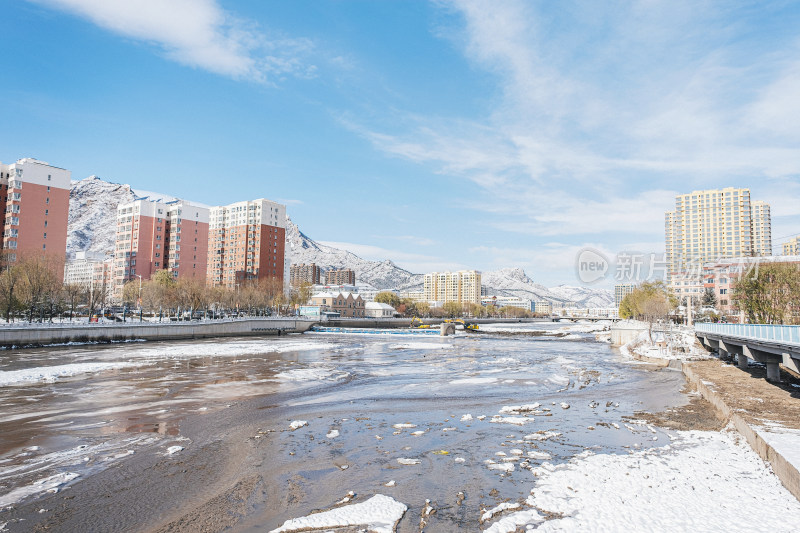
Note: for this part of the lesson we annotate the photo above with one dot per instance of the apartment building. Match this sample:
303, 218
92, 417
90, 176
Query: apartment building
187, 240
762, 229
142, 243
721, 277
246, 242
714, 224
792, 247
34, 197
463, 286
340, 277
507, 301
621, 290
304, 273
90, 269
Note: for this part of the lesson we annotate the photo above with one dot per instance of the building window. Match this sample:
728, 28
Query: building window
48, 177
45, 235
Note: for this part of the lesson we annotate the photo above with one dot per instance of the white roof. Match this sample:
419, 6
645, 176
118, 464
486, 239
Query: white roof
376, 305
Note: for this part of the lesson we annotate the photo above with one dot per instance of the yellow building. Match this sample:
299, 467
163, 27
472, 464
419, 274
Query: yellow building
713, 224
463, 286
792, 247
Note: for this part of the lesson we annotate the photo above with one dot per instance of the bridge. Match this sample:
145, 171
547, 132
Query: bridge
773, 345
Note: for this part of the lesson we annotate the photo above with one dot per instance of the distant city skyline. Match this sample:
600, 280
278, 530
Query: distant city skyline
441, 135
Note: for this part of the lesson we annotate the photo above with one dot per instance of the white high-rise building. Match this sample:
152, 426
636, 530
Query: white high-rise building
463, 286
713, 224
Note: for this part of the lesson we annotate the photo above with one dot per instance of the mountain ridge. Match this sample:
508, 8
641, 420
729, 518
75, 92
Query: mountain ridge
92, 227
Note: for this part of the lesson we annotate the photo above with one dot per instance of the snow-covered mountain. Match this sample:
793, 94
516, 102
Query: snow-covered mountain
514, 282
92, 224
377, 274
93, 214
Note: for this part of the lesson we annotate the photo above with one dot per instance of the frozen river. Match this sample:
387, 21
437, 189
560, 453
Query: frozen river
521, 426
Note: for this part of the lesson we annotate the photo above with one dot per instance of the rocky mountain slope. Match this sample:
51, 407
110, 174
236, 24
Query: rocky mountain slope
377, 274
92, 214
92, 224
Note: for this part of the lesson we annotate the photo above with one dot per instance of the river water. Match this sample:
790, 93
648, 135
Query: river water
409, 416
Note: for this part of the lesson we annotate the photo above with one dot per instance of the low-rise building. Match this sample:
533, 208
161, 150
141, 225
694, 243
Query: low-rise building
507, 301
721, 276
347, 304
543, 307
378, 310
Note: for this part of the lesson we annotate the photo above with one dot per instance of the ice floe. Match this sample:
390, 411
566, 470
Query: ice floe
297, 424
380, 514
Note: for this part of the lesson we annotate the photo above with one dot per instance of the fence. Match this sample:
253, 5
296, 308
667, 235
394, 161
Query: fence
763, 332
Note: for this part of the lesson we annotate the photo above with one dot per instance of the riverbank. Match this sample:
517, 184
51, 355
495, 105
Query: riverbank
36, 335
766, 414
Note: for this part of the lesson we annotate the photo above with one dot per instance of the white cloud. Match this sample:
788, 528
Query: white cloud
197, 33
605, 113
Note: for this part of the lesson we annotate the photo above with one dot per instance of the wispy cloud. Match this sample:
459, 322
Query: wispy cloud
606, 111
290, 201
198, 33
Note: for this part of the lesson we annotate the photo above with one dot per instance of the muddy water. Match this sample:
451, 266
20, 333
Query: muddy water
85, 433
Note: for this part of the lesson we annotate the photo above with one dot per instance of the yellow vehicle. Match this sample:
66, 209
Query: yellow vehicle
417, 323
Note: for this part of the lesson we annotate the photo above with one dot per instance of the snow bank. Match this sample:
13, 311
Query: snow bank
380, 514
701, 480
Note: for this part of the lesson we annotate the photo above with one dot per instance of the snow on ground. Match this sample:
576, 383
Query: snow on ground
677, 344
380, 514
701, 481
297, 424
785, 441
49, 484
499, 509
49, 374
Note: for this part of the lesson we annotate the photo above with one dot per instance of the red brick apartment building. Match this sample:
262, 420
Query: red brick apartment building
153, 235
246, 242
188, 240
34, 197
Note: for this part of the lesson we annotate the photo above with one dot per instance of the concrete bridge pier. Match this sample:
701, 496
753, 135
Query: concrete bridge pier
742, 361
773, 372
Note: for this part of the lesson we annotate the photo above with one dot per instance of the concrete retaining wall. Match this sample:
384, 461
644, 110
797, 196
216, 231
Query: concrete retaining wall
33, 336
624, 332
785, 470
388, 323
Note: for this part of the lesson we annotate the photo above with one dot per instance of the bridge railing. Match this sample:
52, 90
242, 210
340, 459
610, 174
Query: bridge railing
764, 332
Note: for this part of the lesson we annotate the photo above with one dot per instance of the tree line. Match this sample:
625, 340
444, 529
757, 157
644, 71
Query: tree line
411, 308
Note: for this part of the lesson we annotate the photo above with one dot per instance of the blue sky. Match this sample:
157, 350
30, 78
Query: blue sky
441, 135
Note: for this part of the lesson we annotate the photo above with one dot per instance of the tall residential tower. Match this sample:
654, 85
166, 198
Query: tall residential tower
713, 224
35, 198
246, 242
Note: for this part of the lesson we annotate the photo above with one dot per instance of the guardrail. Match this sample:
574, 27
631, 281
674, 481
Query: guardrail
762, 332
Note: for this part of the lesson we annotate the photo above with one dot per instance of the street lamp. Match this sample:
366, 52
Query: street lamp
140, 296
